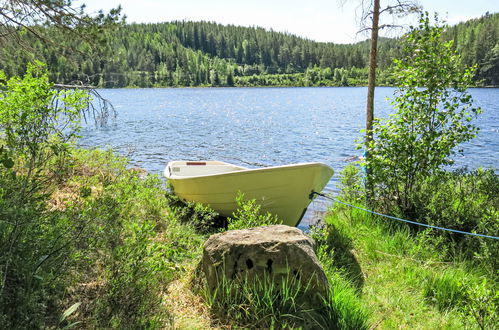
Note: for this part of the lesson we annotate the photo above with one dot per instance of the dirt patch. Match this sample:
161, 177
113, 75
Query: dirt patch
188, 309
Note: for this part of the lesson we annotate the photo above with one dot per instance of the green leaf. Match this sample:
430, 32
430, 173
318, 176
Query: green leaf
8, 162
70, 311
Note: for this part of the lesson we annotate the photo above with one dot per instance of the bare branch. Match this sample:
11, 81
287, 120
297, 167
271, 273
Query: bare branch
391, 26
395, 8
30, 14
101, 112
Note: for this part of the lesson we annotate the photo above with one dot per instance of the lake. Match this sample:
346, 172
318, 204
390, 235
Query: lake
257, 127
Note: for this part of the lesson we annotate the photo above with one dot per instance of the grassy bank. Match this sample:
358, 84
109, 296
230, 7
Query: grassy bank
402, 278
97, 238
116, 250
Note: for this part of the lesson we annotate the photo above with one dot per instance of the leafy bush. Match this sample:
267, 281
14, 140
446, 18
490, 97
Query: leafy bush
137, 264
433, 117
461, 200
36, 134
130, 247
475, 298
248, 215
351, 185
407, 158
37, 122
83, 240
482, 306
467, 201
204, 219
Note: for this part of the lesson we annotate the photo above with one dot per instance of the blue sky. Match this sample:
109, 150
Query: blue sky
320, 20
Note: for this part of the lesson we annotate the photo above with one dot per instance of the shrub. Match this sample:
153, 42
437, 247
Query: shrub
204, 219
467, 201
36, 133
351, 185
132, 247
482, 307
433, 117
474, 297
248, 215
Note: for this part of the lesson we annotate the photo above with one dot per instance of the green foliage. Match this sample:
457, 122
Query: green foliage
262, 303
83, 240
28, 253
476, 41
460, 200
34, 127
27, 17
482, 306
475, 298
466, 201
434, 114
430, 275
137, 264
35, 141
199, 54
248, 215
210, 54
202, 218
351, 186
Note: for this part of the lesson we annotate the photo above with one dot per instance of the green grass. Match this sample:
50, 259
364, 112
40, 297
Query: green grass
262, 303
126, 240
402, 278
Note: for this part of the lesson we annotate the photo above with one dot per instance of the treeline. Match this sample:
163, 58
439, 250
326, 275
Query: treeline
477, 41
197, 54
209, 54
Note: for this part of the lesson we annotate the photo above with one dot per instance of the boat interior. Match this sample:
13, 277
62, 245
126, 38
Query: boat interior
191, 168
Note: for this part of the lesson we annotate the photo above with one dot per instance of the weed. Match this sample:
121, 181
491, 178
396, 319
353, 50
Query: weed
204, 219
445, 289
262, 303
248, 215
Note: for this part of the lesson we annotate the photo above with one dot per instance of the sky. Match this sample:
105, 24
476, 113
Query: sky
320, 20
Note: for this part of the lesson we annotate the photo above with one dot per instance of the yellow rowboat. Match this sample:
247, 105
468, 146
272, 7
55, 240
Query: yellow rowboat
281, 190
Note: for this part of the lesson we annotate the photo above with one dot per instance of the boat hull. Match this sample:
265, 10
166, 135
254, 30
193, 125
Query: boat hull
281, 190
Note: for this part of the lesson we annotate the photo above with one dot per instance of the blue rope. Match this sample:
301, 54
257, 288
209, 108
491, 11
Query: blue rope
404, 220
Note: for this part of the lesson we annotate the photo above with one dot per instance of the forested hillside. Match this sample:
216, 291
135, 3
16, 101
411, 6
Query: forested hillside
477, 40
210, 54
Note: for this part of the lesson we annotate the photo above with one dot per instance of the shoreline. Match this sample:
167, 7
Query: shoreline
284, 86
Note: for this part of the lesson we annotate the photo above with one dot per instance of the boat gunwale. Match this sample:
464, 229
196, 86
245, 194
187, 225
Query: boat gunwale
246, 171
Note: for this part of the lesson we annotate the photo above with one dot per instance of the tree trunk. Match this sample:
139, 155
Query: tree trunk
370, 90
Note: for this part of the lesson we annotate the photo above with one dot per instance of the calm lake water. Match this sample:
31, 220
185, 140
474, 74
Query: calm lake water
257, 127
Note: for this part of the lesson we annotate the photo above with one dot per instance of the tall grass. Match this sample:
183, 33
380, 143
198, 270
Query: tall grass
264, 303
407, 278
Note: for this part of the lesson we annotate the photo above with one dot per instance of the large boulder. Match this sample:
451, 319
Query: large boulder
279, 251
